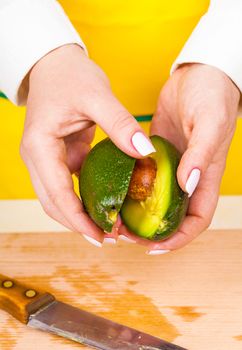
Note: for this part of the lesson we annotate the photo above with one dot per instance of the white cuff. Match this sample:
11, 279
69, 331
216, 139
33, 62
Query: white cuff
217, 40
29, 29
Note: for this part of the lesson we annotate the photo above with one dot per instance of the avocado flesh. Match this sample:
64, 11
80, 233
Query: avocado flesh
104, 182
160, 214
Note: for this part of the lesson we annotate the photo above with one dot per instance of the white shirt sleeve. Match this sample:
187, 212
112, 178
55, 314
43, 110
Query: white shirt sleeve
217, 40
29, 29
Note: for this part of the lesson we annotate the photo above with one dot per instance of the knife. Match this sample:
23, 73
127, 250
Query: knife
42, 311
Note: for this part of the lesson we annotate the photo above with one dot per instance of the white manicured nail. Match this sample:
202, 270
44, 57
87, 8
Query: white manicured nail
142, 144
126, 239
92, 241
158, 251
109, 240
192, 181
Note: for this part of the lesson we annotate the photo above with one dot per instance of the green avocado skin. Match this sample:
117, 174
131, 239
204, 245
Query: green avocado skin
104, 182
179, 199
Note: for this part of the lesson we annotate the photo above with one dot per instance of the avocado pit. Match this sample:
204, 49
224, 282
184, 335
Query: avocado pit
142, 179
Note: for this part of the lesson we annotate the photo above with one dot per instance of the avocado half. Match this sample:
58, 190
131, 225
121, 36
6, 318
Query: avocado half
104, 183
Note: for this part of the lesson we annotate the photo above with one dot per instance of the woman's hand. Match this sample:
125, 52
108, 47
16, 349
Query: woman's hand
68, 95
197, 112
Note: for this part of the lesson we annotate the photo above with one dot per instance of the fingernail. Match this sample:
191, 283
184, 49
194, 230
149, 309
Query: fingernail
192, 181
109, 240
142, 144
157, 251
92, 241
126, 239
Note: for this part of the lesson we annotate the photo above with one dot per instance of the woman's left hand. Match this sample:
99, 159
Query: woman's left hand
196, 111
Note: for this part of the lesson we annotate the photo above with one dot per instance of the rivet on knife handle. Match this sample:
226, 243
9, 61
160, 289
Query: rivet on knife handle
20, 300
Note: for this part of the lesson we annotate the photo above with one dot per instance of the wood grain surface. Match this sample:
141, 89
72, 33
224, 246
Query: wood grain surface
192, 297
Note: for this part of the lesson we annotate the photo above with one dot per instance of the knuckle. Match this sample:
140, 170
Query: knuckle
208, 155
48, 208
223, 122
54, 198
27, 145
121, 121
57, 196
29, 141
207, 222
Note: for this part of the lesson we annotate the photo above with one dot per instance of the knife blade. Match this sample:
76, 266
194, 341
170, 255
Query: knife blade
42, 311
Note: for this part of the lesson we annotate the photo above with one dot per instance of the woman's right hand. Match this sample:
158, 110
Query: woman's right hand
68, 95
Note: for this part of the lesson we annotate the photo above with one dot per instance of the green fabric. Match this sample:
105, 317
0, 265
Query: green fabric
144, 118
2, 95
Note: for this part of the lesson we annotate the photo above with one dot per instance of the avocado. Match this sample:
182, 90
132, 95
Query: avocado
145, 191
160, 214
104, 182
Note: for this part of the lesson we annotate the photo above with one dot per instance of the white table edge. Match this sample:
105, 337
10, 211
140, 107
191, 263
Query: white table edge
28, 216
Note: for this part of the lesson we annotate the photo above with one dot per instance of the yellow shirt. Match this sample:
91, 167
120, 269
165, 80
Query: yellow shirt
135, 42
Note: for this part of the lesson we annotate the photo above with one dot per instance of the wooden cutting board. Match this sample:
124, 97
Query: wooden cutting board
192, 297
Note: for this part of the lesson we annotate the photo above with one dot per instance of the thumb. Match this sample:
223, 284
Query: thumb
202, 147
121, 127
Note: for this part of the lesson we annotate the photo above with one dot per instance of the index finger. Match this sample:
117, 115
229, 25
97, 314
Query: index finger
49, 158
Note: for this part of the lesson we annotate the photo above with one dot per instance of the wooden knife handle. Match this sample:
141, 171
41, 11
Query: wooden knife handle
20, 300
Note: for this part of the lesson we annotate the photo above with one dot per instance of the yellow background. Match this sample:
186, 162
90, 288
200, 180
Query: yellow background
135, 42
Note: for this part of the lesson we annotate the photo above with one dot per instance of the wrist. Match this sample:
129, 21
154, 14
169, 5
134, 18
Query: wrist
59, 54
212, 70
52, 66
